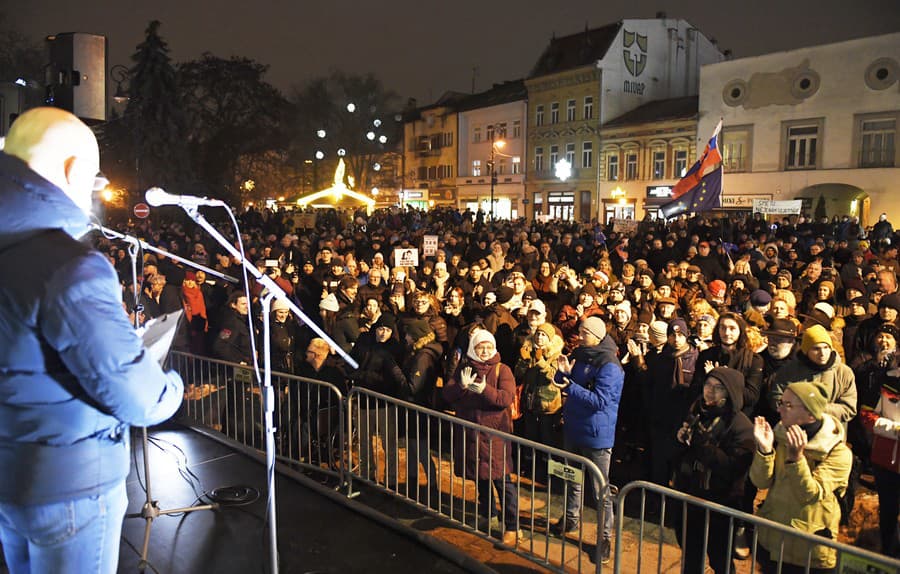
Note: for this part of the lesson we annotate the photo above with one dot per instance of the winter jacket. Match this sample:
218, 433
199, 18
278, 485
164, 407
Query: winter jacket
836, 377
594, 390
73, 373
804, 494
715, 464
482, 455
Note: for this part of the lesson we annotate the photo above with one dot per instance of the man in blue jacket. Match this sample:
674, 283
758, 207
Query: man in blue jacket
73, 373
593, 380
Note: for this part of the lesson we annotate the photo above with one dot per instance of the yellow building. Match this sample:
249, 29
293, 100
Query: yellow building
645, 152
582, 81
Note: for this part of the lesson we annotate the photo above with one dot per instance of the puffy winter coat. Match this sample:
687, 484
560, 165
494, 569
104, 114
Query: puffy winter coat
73, 373
595, 387
804, 494
486, 456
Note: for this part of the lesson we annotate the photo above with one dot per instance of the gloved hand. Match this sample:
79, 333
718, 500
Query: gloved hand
886, 425
467, 377
478, 387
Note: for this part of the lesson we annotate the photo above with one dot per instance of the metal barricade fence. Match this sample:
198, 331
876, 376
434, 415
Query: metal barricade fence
437, 461
309, 415
684, 514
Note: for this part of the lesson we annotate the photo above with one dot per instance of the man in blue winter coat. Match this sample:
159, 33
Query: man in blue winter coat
73, 373
593, 380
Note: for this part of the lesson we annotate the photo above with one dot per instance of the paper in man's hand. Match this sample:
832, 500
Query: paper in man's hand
159, 333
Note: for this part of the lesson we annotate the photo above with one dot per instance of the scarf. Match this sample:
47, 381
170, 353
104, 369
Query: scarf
194, 305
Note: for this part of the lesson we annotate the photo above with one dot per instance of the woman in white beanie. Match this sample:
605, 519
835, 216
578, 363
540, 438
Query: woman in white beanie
481, 391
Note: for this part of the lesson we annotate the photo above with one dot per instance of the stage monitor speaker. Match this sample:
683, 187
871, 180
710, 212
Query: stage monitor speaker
76, 75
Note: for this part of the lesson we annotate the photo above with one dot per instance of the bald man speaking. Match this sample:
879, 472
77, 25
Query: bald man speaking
73, 374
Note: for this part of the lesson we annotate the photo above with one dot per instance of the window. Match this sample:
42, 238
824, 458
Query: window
659, 164
570, 111
801, 146
554, 113
516, 165
612, 167
587, 154
538, 159
476, 137
570, 154
878, 138
554, 156
539, 115
517, 129
588, 107
736, 148
631, 171
476, 167
680, 167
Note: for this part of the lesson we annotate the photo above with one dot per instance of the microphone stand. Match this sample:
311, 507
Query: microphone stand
150, 510
274, 292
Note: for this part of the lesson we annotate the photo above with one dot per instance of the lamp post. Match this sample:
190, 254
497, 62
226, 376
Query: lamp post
494, 145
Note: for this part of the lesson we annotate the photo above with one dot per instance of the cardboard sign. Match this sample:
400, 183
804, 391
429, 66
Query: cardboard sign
429, 245
406, 257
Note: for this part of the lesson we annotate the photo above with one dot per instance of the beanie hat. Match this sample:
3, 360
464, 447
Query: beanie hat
678, 326
280, 305
813, 336
476, 338
548, 329
504, 293
658, 333
625, 306
717, 288
812, 396
417, 328
386, 320
760, 298
595, 326
891, 301
890, 329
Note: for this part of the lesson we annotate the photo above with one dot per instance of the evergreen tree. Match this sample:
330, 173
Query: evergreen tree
153, 117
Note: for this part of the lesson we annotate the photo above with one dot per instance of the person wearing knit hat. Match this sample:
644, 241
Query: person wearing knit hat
805, 453
819, 363
593, 379
481, 390
595, 326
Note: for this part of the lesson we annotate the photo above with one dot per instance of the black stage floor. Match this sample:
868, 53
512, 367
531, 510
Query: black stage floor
316, 533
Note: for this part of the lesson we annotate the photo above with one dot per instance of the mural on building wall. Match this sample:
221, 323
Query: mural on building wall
635, 55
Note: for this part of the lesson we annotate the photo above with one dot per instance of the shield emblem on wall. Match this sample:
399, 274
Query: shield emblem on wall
635, 52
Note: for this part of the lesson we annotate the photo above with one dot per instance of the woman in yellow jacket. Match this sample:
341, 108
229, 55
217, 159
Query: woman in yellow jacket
805, 465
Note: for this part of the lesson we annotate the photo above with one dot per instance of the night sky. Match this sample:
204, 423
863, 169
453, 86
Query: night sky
422, 48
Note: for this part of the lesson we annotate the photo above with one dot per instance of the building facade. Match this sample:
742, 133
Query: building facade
645, 152
583, 80
494, 119
817, 124
430, 154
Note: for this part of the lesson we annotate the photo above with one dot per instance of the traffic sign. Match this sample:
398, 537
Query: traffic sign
141, 210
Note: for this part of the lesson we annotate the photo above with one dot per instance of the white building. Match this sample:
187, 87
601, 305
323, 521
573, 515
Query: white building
817, 122
495, 118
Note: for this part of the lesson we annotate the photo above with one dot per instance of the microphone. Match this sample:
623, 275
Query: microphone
157, 197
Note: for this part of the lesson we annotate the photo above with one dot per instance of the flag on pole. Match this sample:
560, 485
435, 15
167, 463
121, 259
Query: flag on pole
709, 162
705, 196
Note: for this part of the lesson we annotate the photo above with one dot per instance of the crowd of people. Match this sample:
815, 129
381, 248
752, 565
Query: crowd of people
727, 354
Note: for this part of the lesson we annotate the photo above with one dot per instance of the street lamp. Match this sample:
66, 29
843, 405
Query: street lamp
495, 144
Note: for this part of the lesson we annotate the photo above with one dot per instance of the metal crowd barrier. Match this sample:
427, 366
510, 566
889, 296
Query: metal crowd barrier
309, 415
672, 508
424, 459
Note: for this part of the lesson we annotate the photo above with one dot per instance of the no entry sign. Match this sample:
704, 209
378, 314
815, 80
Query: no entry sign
141, 210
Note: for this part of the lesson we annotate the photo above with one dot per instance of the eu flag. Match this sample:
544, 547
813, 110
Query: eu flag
705, 196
